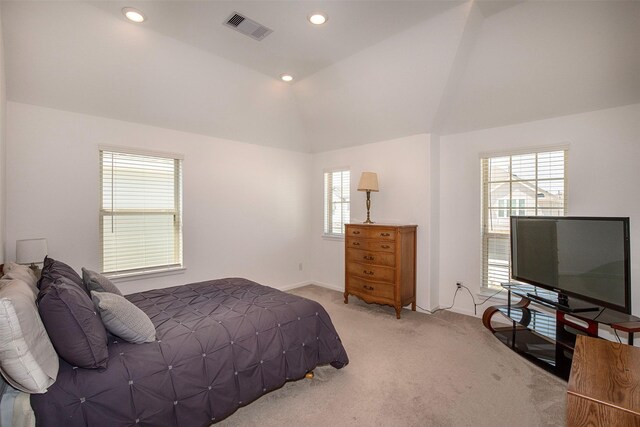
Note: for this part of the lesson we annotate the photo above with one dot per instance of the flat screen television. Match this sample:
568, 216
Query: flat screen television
583, 257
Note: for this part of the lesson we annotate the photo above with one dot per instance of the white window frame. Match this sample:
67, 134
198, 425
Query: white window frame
328, 223
516, 204
170, 268
487, 235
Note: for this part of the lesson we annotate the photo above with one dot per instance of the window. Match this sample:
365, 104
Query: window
337, 202
504, 204
140, 211
523, 184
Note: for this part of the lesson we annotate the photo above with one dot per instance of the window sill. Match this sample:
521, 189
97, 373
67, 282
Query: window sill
124, 277
332, 237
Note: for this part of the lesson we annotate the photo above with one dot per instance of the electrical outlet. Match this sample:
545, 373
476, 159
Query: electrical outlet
458, 285
300, 266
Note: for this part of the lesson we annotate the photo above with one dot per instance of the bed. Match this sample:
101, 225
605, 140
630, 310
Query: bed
219, 345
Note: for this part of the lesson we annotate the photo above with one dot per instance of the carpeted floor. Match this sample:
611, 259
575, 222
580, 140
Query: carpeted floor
422, 370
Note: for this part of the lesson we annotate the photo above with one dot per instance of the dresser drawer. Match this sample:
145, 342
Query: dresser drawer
378, 258
372, 232
373, 289
370, 245
372, 272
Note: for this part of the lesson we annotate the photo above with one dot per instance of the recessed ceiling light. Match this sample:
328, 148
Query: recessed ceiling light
286, 77
317, 18
133, 15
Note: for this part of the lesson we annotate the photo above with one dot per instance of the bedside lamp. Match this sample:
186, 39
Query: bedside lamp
368, 182
31, 251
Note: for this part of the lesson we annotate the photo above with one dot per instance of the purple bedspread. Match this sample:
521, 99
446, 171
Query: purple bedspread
220, 345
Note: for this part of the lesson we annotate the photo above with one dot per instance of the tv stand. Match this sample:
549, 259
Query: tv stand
562, 304
543, 330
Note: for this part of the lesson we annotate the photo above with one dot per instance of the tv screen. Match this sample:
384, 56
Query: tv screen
583, 257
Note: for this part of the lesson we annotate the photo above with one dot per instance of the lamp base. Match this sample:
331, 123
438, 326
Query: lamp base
368, 221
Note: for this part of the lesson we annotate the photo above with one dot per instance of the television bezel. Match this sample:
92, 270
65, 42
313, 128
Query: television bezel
627, 267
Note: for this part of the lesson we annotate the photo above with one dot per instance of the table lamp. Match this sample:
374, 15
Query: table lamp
368, 182
31, 251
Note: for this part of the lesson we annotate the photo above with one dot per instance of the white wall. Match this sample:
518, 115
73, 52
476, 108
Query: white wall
602, 180
433, 232
401, 165
246, 207
3, 106
257, 212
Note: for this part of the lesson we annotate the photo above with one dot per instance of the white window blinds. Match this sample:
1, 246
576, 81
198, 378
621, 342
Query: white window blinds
531, 184
337, 201
140, 212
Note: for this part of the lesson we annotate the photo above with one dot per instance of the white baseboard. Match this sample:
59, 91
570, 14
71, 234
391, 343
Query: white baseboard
328, 286
312, 282
294, 286
341, 289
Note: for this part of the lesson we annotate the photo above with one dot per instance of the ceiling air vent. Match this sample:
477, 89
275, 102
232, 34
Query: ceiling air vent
247, 26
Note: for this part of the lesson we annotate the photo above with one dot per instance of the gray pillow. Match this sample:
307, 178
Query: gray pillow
97, 282
123, 319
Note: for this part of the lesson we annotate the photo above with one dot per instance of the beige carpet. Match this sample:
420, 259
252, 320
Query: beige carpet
422, 370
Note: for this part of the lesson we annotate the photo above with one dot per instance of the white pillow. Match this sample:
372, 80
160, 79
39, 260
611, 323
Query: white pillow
13, 271
28, 360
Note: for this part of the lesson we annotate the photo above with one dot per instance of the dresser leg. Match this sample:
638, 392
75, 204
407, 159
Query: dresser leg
346, 298
413, 306
398, 309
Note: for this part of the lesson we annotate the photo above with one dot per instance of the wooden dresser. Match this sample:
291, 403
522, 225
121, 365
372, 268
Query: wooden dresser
604, 385
380, 264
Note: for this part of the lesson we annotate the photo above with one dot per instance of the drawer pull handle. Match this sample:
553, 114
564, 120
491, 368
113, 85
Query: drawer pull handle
385, 246
367, 257
356, 243
369, 288
356, 232
370, 273
385, 234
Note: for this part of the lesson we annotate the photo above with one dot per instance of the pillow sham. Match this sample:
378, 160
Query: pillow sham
97, 282
28, 360
123, 319
53, 270
74, 327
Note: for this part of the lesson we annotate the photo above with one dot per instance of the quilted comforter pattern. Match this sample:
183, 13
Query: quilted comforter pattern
220, 345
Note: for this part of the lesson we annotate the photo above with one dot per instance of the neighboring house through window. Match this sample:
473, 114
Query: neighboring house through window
531, 184
337, 201
515, 203
140, 211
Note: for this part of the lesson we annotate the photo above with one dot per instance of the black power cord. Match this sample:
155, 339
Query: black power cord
473, 298
441, 308
617, 336
475, 304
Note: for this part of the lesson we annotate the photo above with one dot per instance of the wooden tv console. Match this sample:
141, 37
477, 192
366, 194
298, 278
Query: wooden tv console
546, 334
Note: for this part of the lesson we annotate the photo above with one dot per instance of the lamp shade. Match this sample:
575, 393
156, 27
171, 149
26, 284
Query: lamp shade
368, 182
31, 251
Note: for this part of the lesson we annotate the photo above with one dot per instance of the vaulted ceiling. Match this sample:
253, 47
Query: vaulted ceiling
376, 70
